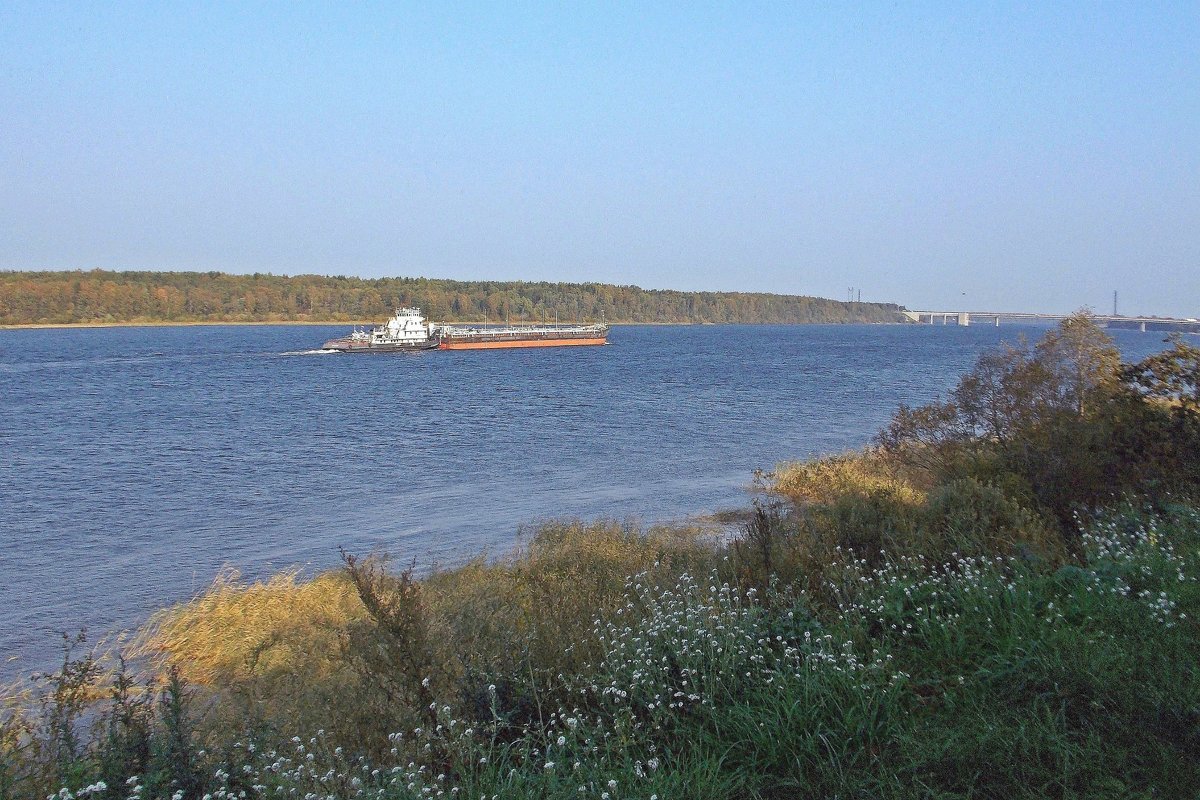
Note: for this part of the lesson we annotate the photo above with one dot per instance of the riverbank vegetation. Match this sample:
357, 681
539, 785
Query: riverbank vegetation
1000, 599
100, 296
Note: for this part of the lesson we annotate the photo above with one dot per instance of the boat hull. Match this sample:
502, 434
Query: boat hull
352, 346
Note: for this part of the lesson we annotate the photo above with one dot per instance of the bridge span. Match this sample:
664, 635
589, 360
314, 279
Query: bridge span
1184, 324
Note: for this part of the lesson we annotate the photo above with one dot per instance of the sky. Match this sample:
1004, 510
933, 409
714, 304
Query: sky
1020, 157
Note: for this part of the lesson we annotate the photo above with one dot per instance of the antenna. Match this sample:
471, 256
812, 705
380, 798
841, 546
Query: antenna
1114, 302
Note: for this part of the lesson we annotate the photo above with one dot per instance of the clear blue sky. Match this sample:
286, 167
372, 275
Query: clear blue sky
1017, 156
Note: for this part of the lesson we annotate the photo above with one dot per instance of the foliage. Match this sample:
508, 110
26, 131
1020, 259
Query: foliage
1060, 426
1172, 376
969, 518
521, 622
867, 506
65, 732
846, 504
287, 652
1013, 392
975, 676
1082, 364
267, 653
41, 730
392, 649
761, 554
104, 296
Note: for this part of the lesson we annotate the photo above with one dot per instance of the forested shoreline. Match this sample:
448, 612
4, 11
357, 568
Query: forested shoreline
103, 296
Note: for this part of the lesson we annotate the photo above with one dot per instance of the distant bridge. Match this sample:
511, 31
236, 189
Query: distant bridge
1185, 324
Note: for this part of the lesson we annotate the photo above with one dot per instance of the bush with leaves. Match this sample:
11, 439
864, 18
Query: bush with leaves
1062, 424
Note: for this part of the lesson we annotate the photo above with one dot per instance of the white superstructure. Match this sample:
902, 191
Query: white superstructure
407, 330
407, 327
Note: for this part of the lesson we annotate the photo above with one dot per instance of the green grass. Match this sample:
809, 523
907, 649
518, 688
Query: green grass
975, 677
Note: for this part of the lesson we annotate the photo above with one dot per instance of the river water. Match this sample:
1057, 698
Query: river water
138, 462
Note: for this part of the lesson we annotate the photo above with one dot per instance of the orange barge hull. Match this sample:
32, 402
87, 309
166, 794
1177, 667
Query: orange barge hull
498, 344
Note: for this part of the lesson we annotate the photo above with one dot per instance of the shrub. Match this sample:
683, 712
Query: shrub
974, 519
866, 524
766, 551
520, 622
44, 742
1062, 425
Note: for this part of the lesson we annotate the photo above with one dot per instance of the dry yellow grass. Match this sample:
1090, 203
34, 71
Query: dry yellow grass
270, 652
292, 650
827, 480
236, 629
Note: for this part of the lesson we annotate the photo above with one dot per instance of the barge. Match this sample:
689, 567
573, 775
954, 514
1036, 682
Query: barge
488, 338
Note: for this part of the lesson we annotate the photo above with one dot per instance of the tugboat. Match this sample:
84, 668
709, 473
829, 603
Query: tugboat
406, 332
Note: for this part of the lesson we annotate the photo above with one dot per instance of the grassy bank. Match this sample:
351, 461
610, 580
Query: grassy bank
1000, 600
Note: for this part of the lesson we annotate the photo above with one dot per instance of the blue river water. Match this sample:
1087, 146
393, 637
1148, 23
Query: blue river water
139, 462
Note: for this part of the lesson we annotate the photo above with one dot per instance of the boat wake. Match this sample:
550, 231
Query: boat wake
308, 352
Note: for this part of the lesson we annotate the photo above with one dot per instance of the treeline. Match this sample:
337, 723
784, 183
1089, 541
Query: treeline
104, 296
